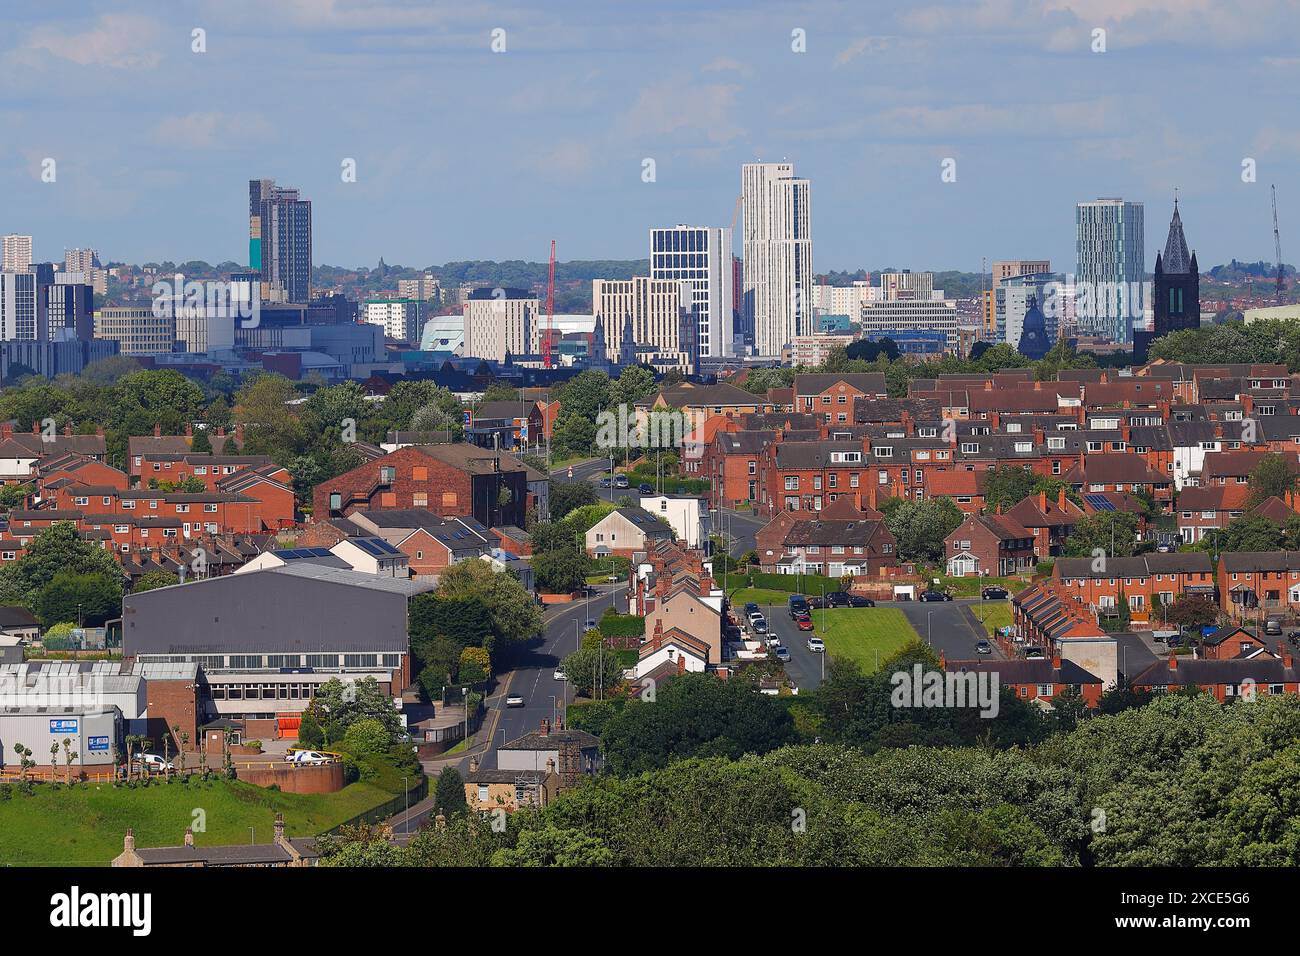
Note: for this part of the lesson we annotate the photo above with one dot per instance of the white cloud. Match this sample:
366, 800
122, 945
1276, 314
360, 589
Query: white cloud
117, 40
860, 46
211, 130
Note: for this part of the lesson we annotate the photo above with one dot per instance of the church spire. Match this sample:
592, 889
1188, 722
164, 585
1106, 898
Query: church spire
1176, 259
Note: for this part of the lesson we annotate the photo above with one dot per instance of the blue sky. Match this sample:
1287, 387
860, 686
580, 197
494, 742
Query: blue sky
463, 153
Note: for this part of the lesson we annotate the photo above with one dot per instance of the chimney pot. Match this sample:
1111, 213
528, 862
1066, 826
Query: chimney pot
157, 430
279, 828
189, 836
128, 841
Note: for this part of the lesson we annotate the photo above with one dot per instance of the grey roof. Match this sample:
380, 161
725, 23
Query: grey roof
1176, 258
552, 740
355, 579
1249, 561
1141, 566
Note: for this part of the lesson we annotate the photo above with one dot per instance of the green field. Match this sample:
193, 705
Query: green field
84, 825
760, 596
867, 635
994, 614
970, 586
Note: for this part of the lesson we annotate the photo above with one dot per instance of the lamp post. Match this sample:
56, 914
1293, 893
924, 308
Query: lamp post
464, 693
928, 622
406, 792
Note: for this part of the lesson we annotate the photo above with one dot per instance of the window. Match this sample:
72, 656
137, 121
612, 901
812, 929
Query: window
970, 448
884, 451
791, 482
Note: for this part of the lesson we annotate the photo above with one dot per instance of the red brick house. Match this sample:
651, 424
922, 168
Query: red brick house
1050, 522
1038, 679
1147, 582
1225, 679
449, 480
839, 540
992, 545
1202, 509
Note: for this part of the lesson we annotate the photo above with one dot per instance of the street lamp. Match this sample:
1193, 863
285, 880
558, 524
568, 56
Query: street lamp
928, 616
464, 693
406, 792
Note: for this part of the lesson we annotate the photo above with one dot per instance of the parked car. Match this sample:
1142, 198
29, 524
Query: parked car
311, 758
816, 603
1273, 627
605, 482
983, 647
857, 601
152, 763
804, 623
935, 596
798, 605
560, 675
622, 482
751, 609
773, 641
816, 644
781, 653
514, 700
994, 593
758, 624
837, 599
646, 488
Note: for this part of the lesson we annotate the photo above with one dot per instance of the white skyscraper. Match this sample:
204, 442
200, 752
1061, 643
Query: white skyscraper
701, 256
778, 255
17, 254
1111, 277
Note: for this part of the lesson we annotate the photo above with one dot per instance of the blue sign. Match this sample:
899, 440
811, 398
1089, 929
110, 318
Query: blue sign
97, 743
63, 726
523, 431
468, 418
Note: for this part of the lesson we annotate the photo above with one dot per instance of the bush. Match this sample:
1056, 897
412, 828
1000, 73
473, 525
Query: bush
808, 584
367, 737
254, 745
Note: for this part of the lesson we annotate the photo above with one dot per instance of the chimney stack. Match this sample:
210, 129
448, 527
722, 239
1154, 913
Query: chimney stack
128, 841
473, 764
1056, 660
545, 728
157, 430
239, 433
1060, 498
279, 828
1173, 661
189, 836
67, 428
189, 430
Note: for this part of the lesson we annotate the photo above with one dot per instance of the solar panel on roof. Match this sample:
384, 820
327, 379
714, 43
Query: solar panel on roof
1099, 502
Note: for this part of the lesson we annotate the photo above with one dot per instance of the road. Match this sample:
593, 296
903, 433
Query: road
534, 677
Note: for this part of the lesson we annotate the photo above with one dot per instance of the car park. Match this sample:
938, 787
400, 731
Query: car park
514, 700
994, 593
983, 647
935, 596
816, 645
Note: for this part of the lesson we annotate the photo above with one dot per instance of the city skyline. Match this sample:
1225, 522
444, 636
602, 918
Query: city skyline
867, 114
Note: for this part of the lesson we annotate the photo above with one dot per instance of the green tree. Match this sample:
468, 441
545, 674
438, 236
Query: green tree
552, 846
1273, 476
367, 736
921, 527
201, 443
90, 598
1113, 533
449, 794
566, 496
336, 706
475, 666
593, 671
152, 580
561, 571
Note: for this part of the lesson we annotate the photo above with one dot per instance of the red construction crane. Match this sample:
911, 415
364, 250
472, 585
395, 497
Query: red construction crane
548, 337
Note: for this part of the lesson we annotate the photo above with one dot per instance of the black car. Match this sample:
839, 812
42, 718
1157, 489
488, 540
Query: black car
856, 601
645, 489
935, 596
818, 602
837, 599
994, 593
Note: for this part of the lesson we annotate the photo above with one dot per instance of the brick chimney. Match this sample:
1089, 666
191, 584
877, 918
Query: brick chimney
6, 431
1173, 661
1287, 661
157, 430
473, 764
67, 428
943, 661
128, 841
189, 430
550, 765
189, 836
1056, 660
1042, 502
1060, 498
278, 829
239, 433
545, 729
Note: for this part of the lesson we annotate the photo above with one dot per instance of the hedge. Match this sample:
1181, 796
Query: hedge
613, 624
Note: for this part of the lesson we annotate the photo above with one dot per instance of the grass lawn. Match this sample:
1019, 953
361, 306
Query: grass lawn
760, 596
84, 825
867, 635
970, 587
994, 614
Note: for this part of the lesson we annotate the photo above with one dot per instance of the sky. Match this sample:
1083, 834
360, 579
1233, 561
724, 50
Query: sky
462, 152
